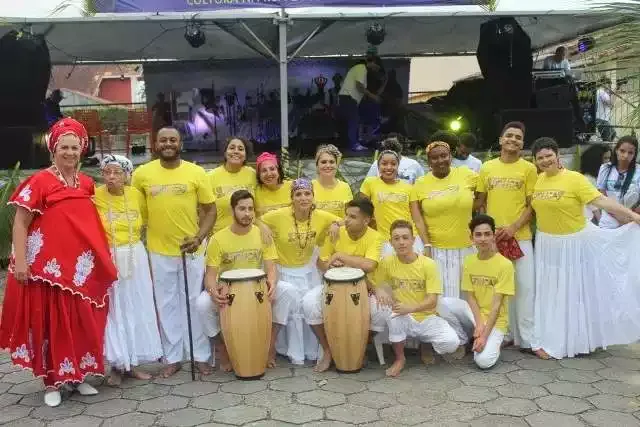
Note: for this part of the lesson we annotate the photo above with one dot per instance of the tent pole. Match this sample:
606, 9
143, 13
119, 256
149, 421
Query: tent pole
284, 91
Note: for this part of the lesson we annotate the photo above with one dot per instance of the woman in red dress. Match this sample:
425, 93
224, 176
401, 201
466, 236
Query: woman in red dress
55, 305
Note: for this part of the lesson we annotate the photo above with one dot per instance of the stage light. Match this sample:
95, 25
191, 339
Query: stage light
455, 125
375, 34
194, 34
585, 44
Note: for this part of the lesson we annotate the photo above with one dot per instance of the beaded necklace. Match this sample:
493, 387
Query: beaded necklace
301, 245
56, 172
112, 229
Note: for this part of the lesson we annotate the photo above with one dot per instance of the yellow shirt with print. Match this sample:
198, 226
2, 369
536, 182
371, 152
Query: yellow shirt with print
172, 197
117, 220
224, 184
559, 202
268, 200
295, 244
390, 201
230, 251
507, 186
334, 199
486, 278
368, 246
447, 206
411, 283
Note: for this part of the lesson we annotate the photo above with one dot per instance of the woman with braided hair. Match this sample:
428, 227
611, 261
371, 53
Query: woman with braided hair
132, 336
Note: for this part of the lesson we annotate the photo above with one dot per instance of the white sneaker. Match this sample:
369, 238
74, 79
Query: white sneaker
86, 390
52, 398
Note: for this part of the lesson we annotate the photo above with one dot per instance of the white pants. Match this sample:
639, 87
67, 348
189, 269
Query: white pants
521, 311
168, 279
312, 309
208, 314
458, 314
450, 266
418, 247
433, 329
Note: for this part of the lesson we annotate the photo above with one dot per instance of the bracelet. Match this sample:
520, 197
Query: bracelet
428, 245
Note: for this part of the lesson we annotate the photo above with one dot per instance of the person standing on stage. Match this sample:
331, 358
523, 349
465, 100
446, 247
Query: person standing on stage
230, 177
354, 88
297, 230
175, 190
273, 190
330, 193
358, 246
441, 207
241, 246
505, 186
55, 304
390, 197
586, 292
410, 284
409, 170
132, 336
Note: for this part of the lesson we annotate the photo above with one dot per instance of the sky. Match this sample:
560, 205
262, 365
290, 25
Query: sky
43, 8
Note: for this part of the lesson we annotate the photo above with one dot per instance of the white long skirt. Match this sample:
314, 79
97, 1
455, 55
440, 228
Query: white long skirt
587, 290
132, 336
450, 266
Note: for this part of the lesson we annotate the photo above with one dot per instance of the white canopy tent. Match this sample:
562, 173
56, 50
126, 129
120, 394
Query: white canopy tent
269, 33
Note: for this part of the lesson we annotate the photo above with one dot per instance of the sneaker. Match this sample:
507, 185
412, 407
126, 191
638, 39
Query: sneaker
52, 398
86, 390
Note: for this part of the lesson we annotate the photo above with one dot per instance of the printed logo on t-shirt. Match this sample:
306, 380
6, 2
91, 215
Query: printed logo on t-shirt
172, 189
243, 256
116, 216
227, 190
505, 183
436, 194
331, 205
408, 284
302, 236
389, 197
480, 280
548, 195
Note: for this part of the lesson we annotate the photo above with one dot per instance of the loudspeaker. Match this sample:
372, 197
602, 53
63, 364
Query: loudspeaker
556, 123
559, 96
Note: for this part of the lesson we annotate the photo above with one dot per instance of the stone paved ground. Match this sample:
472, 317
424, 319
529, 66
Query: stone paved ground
600, 390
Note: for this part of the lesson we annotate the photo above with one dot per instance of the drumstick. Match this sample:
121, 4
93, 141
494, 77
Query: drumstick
186, 292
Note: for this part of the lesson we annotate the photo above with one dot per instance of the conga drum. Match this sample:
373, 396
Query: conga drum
346, 317
246, 321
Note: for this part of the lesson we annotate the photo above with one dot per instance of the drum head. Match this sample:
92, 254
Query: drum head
343, 274
242, 274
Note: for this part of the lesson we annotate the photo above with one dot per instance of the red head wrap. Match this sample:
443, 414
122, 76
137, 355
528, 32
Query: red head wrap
265, 157
67, 126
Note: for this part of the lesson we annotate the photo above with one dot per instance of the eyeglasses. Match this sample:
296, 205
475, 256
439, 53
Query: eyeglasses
619, 181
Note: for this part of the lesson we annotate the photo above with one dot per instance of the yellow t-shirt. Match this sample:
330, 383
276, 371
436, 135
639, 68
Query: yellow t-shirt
447, 206
390, 201
411, 283
484, 279
332, 200
224, 184
559, 202
268, 200
114, 216
368, 246
295, 248
507, 186
230, 251
172, 197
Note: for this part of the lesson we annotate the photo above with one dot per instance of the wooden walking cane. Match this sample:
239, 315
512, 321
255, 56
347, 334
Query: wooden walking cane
186, 292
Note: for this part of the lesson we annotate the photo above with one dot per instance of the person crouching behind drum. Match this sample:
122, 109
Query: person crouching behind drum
241, 246
410, 284
358, 246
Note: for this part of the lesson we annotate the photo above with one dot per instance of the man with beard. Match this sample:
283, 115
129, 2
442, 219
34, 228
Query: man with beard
504, 190
358, 246
175, 190
241, 246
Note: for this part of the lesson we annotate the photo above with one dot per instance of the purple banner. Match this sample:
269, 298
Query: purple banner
123, 6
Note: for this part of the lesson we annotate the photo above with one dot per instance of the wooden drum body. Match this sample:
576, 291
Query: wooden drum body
246, 321
346, 317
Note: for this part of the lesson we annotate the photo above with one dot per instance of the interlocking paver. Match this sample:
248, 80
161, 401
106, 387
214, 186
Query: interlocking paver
539, 365
185, 417
293, 384
78, 421
583, 364
511, 355
67, 409
163, 404
105, 393
523, 391
181, 377
349, 413
631, 351
112, 408
472, 394
484, 379
600, 418
436, 383
239, 415
133, 419
622, 363
195, 389
406, 414
25, 422
344, 385
373, 400
622, 375
577, 376
269, 399
146, 392
275, 373
455, 411
325, 424
29, 387
498, 421
423, 398
564, 404
612, 402
9, 399
18, 377
529, 377
546, 419
297, 413
565, 388
14, 412
504, 368
216, 401
511, 406
321, 398
390, 386
616, 387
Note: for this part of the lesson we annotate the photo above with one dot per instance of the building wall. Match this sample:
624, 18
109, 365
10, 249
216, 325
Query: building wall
116, 90
437, 74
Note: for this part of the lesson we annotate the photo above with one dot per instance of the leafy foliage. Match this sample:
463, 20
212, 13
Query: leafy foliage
9, 182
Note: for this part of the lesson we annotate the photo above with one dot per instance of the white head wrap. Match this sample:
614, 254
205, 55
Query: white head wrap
115, 159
